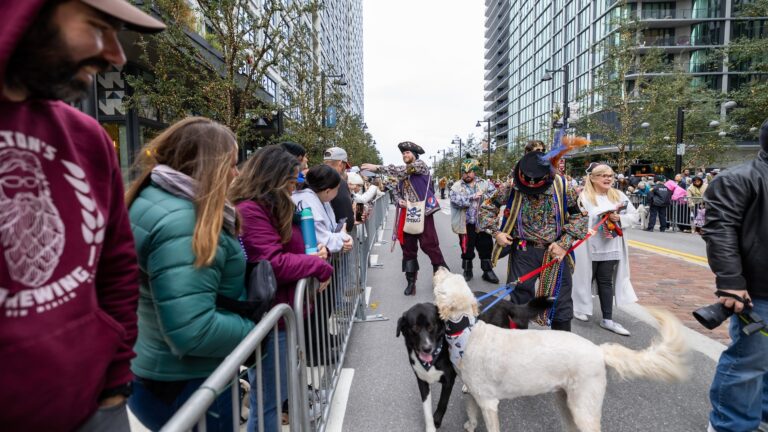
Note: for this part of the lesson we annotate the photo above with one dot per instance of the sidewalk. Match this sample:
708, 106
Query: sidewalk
677, 285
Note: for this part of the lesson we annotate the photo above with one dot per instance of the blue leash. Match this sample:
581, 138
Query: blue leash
507, 290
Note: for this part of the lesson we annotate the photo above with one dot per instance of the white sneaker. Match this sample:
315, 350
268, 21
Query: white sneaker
581, 316
614, 327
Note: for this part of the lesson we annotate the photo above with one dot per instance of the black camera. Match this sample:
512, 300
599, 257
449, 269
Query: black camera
713, 315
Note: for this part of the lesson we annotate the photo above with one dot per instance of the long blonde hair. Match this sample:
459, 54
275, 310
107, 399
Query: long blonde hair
590, 193
202, 149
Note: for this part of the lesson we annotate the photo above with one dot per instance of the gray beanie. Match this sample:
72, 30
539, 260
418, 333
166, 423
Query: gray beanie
764, 136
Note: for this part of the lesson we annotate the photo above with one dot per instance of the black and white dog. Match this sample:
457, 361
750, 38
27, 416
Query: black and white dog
424, 334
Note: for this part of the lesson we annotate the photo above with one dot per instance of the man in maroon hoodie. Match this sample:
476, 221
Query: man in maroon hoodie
68, 274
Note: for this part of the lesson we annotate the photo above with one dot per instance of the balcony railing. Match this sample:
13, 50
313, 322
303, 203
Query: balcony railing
682, 67
671, 41
661, 14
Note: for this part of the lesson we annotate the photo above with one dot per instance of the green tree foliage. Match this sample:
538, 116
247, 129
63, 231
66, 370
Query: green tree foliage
701, 105
219, 74
637, 86
617, 94
307, 94
749, 53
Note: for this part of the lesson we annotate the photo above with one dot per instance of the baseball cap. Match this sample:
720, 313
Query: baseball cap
134, 18
338, 154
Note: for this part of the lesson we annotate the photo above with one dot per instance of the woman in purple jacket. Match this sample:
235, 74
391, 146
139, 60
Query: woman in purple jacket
262, 194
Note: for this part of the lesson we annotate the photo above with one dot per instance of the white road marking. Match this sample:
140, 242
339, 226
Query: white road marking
339, 403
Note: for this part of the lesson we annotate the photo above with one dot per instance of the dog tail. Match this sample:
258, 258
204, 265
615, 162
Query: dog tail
664, 360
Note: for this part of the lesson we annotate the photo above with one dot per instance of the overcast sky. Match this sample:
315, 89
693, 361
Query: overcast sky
423, 72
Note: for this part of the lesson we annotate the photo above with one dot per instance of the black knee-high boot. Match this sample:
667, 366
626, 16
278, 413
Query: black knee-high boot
411, 269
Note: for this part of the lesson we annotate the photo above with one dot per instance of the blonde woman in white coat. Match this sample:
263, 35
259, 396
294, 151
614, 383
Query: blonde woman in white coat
603, 260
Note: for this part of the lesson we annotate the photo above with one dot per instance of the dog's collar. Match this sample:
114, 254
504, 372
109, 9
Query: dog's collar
455, 328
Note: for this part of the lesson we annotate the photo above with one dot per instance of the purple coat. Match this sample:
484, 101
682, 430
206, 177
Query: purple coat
261, 240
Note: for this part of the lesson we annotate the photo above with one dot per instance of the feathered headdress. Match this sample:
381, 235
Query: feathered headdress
563, 145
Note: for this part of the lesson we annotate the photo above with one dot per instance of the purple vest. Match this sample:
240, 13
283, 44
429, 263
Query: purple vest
419, 183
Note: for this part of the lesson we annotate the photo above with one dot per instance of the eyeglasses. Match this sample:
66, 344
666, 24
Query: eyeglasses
605, 176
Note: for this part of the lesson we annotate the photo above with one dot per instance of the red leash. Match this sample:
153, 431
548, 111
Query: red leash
529, 275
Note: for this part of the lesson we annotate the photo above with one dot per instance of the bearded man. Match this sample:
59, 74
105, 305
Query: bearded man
68, 272
466, 197
541, 221
414, 184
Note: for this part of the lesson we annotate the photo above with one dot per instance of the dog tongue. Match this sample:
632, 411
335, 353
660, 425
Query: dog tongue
426, 358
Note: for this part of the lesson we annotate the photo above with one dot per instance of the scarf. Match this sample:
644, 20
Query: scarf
183, 186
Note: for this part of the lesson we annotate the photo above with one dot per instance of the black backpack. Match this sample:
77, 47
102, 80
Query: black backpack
260, 288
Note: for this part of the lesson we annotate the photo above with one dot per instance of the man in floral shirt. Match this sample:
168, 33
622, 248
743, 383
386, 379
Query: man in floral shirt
541, 220
466, 197
414, 184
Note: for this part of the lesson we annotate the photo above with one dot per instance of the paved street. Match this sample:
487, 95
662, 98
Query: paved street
383, 395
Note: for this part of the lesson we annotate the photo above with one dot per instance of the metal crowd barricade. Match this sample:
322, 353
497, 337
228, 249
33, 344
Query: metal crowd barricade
227, 376
637, 200
682, 214
324, 321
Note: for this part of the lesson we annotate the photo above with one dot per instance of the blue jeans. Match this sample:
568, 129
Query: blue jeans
739, 392
153, 413
272, 410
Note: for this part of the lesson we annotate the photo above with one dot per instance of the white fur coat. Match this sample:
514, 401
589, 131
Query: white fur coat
582, 276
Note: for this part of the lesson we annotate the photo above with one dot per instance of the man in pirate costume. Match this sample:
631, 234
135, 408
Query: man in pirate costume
414, 184
540, 223
466, 197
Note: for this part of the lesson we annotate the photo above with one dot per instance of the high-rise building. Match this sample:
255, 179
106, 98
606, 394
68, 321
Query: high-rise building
339, 28
524, 38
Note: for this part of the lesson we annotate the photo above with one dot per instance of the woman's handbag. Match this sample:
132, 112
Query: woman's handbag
414, 213
260, 287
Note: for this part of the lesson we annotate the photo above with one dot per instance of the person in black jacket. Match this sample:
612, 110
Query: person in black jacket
736, 232
659, 199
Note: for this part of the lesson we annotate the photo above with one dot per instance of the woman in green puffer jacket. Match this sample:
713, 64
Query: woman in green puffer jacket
188, 253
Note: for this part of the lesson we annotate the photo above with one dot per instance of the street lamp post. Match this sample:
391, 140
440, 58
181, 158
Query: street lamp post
489, 142
680, 150
548, 77
457, 140
338, 80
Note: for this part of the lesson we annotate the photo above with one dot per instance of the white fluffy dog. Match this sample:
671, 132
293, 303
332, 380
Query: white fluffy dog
503, 364
642, 212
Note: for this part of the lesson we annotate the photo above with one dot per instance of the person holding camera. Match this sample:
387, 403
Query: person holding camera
736, 233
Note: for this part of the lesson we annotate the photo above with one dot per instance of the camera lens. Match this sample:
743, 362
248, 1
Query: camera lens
713, 315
